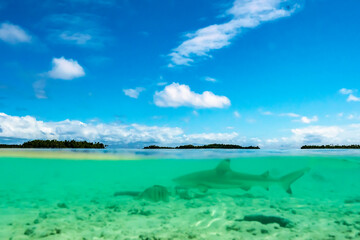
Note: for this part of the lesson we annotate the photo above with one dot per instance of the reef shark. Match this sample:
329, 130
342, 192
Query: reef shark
223, 177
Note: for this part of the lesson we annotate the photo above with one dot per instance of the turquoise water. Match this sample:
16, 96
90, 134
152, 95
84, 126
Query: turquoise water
47, 197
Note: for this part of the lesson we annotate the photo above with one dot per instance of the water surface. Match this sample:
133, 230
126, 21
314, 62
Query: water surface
70, 195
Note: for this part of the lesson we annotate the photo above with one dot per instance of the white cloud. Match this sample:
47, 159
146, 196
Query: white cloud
39, 88
210, 137
77, 38
353, 98
272, 140
345, 91
318, 135
210, 79
309, 120
237, 114
266, 112
133, 93
244, 14
176, 95
13, 34
353, 117
65, 69
323, 131
298, 117
161, 83
289, 114
28, 127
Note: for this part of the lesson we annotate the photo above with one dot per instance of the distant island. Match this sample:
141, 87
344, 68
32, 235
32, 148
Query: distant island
209, 146
330, 147
55, 144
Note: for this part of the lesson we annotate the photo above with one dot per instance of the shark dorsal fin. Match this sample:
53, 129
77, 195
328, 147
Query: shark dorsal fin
223, 167
265, 174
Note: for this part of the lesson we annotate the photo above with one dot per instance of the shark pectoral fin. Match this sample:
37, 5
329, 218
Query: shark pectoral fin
290, 178
265, 174
223, 167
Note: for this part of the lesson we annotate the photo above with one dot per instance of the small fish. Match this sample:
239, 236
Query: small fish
155, 193
223, 177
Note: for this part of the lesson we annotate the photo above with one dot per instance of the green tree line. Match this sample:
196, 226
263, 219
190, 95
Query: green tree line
55, 144
209, 146
330, 147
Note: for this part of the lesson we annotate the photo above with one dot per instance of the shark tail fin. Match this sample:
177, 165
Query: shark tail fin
288, 179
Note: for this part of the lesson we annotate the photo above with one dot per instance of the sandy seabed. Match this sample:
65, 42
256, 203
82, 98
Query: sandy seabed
215, 216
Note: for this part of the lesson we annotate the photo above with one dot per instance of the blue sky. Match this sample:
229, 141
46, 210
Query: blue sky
273, 73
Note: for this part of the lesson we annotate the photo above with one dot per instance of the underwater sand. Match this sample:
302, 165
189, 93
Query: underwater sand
52, 195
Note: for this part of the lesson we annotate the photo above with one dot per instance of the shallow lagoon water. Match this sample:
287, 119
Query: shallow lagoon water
46, 194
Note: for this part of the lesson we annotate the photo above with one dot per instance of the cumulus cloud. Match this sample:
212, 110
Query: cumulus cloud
211, 137
22, 128
330, 132
309, 120
320, 135
352, 98
77, 38
133, 93
289, 115
65, 69
298, 117
39, 88
28, 127
210, 79
243, 14
161, 83
345, 91
13, 34
237, 114
317, 135
266, 112
176, 95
